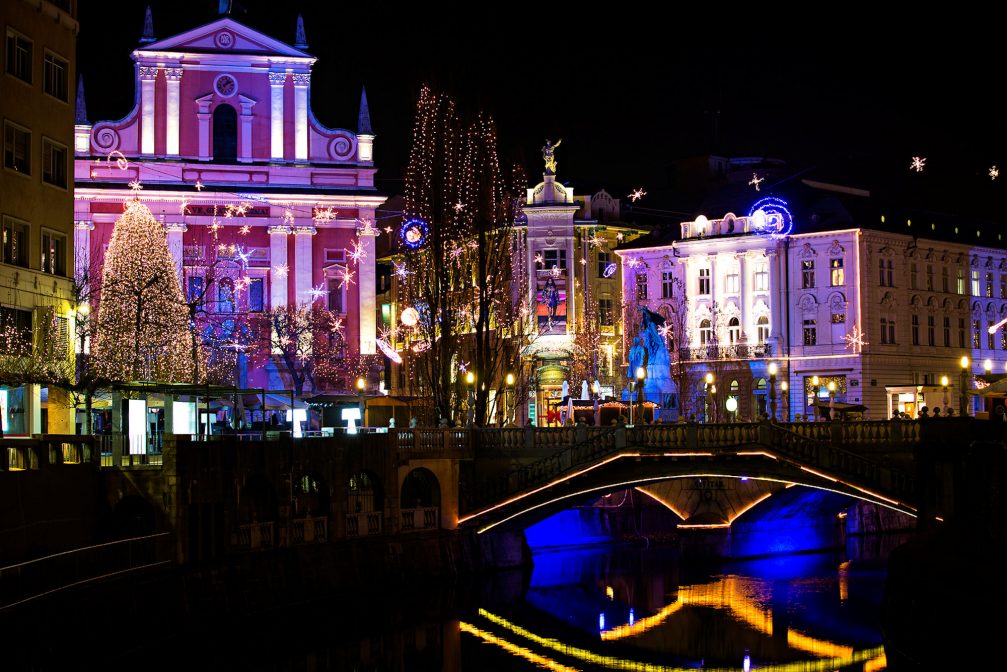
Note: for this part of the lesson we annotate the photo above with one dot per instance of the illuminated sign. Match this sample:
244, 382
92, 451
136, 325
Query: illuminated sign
771, 216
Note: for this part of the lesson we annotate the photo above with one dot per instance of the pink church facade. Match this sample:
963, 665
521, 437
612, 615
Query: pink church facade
227, 153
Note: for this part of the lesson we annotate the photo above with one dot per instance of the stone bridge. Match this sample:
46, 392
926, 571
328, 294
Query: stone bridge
873, 461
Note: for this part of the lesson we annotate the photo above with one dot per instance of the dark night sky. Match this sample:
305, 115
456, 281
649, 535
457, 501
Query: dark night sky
629, 93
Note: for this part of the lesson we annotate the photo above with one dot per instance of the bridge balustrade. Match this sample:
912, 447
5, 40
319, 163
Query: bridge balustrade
424, 518
310, 530
363, 524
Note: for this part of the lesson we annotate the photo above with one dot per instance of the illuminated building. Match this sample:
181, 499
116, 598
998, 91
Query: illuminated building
36, 192
225, 147
883, 315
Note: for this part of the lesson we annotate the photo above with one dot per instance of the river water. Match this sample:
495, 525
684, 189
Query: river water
607, 608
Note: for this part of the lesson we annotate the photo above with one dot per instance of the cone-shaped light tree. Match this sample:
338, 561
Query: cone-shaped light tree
142, 330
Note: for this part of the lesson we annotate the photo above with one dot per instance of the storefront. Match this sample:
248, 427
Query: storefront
909, 399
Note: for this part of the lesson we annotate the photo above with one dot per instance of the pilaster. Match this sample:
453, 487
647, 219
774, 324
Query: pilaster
148, 74
301, 82
276, 82
278, 274
173, 79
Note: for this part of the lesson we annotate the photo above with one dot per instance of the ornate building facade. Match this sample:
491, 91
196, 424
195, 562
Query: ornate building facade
881, 316
263, 206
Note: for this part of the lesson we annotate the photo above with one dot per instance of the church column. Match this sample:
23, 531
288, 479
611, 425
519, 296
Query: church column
778, 299
147, 76
245, 150
276, 80
746, 298
301, 82
302, 263
203, 116
366, 287
279, 268
173, 79
173, 231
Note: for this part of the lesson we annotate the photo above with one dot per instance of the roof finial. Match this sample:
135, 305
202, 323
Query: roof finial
80, 116
148, 28
300, 39
364, 118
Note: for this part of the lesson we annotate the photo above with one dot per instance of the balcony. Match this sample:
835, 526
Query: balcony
736, 351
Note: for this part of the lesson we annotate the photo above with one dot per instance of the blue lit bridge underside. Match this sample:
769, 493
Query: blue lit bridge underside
646, 466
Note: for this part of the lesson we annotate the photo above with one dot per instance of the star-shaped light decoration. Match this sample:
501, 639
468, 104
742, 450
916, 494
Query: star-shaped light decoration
583, 261
358, 253
336, 325
388, 229
555, 271
458, 207
420, 346
994, 172
135, 186
664, 330
245, 230
596, 241
367, 227
632, 262
243, 255
317, 292
281, 270
456, 252
215, 227
539, 259
619, 236
918, 163
855, 339
288, 217
199, 185
463, 367
401, 271
323, 215
756, 181
637, 194
346, 279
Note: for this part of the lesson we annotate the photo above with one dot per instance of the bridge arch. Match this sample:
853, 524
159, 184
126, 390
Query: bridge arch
420, 489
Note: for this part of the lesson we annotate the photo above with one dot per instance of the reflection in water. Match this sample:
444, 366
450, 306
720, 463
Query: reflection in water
638, 609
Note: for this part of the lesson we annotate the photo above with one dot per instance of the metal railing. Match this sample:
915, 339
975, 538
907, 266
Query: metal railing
33, 579
424, 518
255, 536
737, 351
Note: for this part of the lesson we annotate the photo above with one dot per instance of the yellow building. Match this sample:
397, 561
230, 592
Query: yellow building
37, 109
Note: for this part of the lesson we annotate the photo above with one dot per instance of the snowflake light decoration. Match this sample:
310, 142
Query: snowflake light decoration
183, 206
918, 163
316, 292
994, 173
637, 194
632, 262
619, 236
420, 346
596, 241
855, 339
367, 227
539, 259
135, 186
358, 253
288, 217
756, 181
323, 215
245, 230
401, 271
664, 330
583, 261
346, 279
555, 271
458, 207
463, 367
281, 270
199, 185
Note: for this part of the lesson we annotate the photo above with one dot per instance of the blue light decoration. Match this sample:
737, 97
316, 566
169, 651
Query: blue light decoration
771, 216
414, 233
609, 270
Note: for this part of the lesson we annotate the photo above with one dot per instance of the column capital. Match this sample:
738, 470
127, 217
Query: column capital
302, 78
148, 72
277, 78
173, 74
279, 230
83, 225
305, 230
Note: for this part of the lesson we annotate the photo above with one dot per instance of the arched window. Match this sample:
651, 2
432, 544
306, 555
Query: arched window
734, 330
364, 494
225, 133
705, 332
762, 328
225, 296
759, 397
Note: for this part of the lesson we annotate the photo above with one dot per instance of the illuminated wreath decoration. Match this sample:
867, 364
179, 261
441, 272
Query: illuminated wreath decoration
414, 233
771, 216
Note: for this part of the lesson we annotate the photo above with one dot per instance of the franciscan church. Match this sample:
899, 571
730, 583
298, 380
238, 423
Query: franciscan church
223, 146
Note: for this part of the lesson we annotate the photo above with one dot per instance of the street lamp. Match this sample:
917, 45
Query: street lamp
944, 384
361, 384
772, 390
641, 375
510, 398
713, 401
964, 385
832, 399
813, 397
988, 366
706, 408
470, 380
784, 387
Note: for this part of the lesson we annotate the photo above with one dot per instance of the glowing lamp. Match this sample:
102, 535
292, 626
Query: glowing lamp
772, 368
965, 362
83, 309
510, 380
596, 388
709, 379
702, 224
361, 384
832, 386
410, 316
731, 404
944, 381
815, 381
641, 373
470, 378
784, 386
988, 365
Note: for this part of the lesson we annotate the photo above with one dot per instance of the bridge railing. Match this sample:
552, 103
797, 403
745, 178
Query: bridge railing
43, 450
27, 581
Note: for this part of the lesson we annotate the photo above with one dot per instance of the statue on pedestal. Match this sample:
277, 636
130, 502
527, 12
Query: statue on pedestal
548, 153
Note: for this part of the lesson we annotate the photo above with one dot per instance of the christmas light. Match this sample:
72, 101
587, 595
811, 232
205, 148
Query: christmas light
368, 227
281, 270
619, 236
317, 292
346, 279
358, 253
135, 186
994, 173
401, 271
410, 316
596, 241
771, 215
756, 181
288, 217
539, 259
918, 163
855, 339
324, 215
245, 230
458, 207
388, 350
414, 233
610, 269
199, 185
637, 194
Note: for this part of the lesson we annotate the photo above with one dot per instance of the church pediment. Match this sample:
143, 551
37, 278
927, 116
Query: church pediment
225, 36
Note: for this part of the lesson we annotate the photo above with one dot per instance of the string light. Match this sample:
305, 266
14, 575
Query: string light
637, 194
994, 172
918, 163
756, 181
281, 270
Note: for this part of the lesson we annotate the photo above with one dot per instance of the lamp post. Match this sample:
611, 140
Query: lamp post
784, 387
638, 378
964, 385
596, 390
470, 380
361, 385
509, 411
813, 398
713, 402
706, 408
944, 384
772, 391
832, 400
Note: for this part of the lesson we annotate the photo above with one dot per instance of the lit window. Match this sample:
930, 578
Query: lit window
734, 330
837, 275
641, 286
838, 318
762, 329
810, 332
15, 242
977, 333
667, 284
53, 252
705, 332
704, 281
975, 283
808, 274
